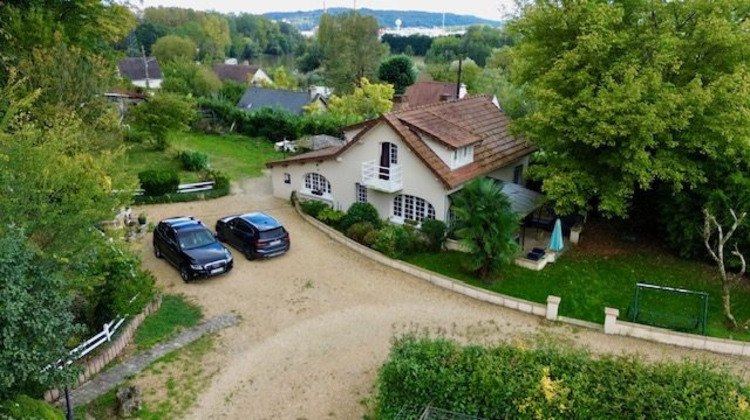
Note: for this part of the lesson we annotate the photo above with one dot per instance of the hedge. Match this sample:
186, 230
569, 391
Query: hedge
157, 182
219, 191
25, 407
548, 381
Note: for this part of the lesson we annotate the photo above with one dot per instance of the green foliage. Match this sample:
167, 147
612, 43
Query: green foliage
371, 237
232, 91
330, 216
313, 207
629, 95
435, 230
282, 80
370, 100
208, 30
172, 48
359, 231
416, 44
35, 317
449, 73
393, 241
486, 225
190, 79
479, 41
551, 381
159, 181
351, 49
175, 314
23, 407
193, 160
399, 71
136, 136
361, 212
183, 197
444, 49
253, 35
163, 113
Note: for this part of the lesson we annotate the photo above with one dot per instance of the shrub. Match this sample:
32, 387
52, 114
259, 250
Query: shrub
359, 231
313, 207
330, 216
371, 237
159, 181
221, 188
361, 212
25, 407
393, 241
435, 230
221, 181
551, 381
418, 241
137, 136
193, 160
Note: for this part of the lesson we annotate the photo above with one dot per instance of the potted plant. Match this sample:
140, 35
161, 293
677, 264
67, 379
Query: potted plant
142, 219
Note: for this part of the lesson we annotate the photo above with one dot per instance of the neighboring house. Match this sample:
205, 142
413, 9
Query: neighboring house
142, 72
425, 93
241, 73
409, 163
124, 99
257, 97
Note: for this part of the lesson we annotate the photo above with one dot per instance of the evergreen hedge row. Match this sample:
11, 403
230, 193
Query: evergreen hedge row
548, 382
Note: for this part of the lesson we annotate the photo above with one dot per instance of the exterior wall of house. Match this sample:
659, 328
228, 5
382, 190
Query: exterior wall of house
506, 173
444, 152
346, 171
350, 134
152, 83
259, 77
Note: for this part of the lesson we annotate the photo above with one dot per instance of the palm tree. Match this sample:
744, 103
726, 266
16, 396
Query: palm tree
486, 225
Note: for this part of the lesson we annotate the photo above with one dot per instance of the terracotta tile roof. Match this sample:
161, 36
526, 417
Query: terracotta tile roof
241, 73
483, 123
424, 93
321, 154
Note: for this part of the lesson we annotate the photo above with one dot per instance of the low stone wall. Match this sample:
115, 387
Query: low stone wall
612, 326
91, 365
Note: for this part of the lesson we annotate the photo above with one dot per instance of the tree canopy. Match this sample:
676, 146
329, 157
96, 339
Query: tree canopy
174, 48
629, 94
399, 71
366, 102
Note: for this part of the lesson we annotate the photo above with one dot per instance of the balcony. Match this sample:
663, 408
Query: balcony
385, 179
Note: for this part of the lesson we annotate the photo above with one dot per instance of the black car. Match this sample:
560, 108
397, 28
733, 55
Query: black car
257, 235
191, 247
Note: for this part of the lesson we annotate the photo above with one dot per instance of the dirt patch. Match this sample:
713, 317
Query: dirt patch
602, 237
318, 321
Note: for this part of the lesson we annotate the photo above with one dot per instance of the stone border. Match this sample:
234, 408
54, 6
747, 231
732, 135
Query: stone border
611, 325
93, 365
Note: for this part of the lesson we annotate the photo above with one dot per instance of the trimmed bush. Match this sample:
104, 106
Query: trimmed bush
393, 241
551, 381
359, 231
193, 160
159, 181
371, 237
435, 230
361, 212
313, 207
330, 216
25, 407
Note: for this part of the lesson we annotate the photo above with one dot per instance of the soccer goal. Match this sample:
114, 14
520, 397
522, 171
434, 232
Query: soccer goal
669, 307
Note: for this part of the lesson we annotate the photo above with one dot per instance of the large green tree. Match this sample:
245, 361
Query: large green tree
629, 94
163, 113
366, 102
174, 48
486, 225
351, 49
399, 71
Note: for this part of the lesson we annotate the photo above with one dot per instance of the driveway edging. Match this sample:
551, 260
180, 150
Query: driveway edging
612, 325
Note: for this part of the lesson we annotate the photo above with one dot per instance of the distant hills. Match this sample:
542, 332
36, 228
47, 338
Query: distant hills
307, 20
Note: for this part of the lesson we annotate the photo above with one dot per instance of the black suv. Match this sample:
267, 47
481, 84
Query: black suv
191, 247
257, 235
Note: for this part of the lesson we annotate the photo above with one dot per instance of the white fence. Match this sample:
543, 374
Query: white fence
108, 330
188, 188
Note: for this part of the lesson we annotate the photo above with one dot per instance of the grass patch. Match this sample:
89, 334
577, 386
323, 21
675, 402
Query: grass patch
175, 314
588, 283
234, 155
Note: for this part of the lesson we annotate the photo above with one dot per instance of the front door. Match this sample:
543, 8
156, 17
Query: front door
387, 154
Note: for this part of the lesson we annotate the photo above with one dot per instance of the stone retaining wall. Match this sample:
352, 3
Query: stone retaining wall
91, 365
611, 325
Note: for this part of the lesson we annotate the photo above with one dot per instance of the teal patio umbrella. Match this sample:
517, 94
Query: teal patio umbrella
556, 240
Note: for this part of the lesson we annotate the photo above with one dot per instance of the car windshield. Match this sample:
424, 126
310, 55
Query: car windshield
195, 238
272, 233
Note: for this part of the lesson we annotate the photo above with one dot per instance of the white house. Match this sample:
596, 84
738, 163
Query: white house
408, 163
241, 73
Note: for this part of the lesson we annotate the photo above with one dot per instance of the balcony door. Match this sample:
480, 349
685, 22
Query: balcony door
388, 157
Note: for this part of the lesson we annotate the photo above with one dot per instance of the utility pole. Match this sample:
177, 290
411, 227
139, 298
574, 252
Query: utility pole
145, 64
458, 84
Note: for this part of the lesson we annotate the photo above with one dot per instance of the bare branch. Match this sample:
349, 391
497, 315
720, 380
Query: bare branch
735, 225
707, 233
743, 267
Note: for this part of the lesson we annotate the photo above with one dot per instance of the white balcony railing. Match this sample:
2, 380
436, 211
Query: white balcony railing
387, 179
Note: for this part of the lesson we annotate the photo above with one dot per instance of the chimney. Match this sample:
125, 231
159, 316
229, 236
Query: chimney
400, 102
444, 97
462, 91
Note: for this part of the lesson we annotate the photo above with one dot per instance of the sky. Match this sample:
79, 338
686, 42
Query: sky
487, 9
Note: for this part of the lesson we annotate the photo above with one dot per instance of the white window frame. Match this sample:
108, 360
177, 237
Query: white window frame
409, 207
360, 193
287, 178
462, 157
313, 181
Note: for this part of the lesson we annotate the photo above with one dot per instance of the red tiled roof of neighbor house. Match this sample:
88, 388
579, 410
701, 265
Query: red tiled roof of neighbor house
474, 120
241, 73
425, 93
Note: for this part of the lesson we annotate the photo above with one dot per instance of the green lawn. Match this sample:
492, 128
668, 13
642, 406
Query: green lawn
588, 283
235, 155
175, 314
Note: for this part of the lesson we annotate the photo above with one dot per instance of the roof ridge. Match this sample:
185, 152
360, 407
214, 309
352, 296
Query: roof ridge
441, 103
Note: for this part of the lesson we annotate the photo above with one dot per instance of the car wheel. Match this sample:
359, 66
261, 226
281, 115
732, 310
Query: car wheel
249, 254
157, 252
185, 274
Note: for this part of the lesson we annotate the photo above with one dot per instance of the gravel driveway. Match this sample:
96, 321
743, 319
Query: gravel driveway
317, 322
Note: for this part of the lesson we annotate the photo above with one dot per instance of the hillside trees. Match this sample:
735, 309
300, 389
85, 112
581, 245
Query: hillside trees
629, 95
174, 48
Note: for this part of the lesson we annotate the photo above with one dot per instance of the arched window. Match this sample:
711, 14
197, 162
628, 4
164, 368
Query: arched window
409, 207
317, 184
